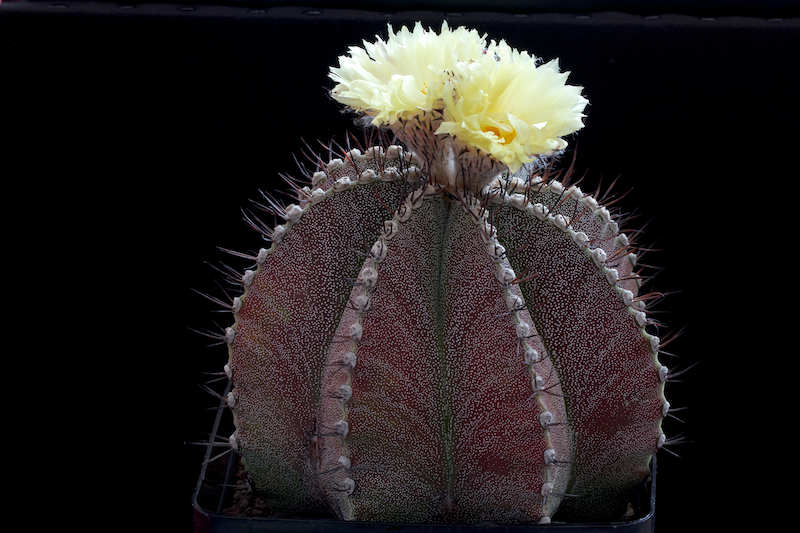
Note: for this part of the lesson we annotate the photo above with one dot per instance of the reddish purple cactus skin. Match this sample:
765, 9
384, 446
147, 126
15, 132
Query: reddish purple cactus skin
410, 352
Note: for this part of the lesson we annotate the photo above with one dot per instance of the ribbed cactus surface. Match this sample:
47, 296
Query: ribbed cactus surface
415, 352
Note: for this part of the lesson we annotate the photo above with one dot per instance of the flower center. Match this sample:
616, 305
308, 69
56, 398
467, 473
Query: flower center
504, 136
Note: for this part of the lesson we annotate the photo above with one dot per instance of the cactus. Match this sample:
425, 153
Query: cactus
441, 331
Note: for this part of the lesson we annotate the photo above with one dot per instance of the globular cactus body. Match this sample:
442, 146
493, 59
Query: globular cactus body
441, 331
405, 352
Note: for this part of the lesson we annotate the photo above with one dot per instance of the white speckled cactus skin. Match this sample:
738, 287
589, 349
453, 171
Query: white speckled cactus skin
411, 352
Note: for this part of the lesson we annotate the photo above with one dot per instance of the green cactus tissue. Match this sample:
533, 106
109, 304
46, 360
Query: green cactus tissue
441, 330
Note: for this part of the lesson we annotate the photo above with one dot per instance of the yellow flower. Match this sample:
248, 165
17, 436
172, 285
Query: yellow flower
401, 78
505, 105
443, 93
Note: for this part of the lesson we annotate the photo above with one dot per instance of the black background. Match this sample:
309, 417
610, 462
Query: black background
133, 135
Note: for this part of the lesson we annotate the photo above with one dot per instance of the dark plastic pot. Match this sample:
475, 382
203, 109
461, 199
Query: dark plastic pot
214, 493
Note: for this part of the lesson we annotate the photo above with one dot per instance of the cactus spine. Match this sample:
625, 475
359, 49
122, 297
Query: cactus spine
434, 336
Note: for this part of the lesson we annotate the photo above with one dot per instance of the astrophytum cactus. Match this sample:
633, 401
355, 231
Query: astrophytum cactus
441, 330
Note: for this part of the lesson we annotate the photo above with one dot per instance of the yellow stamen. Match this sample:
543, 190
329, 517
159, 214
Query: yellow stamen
504, 136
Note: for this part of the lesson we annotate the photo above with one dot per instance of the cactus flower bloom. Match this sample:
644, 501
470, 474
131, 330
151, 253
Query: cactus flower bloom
489, 98
402, 77
506, 106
